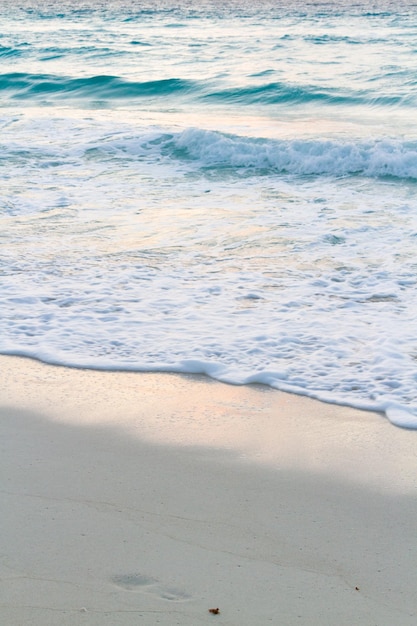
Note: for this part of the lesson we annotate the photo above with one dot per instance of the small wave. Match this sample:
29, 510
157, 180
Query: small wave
26, 86
373, 158
343, 39
276, 92
326, 38
284, 93
7, 52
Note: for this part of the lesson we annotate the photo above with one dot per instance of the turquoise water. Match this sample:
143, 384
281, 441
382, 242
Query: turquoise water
224, 188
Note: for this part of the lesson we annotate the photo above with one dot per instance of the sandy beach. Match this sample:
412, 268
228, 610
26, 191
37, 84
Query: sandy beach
133, 498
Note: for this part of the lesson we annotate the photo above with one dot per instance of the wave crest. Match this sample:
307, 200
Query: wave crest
26, 86
374, 158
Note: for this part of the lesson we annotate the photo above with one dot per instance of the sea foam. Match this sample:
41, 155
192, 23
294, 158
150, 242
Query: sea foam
377, 157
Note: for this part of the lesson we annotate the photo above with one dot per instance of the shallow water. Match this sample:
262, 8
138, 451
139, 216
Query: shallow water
218, 188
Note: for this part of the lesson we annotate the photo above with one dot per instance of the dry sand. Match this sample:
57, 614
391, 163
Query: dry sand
151, 498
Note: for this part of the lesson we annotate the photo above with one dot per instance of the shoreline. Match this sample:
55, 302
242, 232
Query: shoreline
399, 417
154, 497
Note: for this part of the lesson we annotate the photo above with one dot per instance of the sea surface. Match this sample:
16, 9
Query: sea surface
228, 188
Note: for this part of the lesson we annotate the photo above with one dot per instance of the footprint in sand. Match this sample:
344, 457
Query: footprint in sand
145, 584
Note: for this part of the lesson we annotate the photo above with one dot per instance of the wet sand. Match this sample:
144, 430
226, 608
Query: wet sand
132, 498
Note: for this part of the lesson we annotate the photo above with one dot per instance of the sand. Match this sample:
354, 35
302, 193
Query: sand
133, 498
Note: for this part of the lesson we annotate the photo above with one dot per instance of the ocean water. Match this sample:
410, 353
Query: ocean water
227, 188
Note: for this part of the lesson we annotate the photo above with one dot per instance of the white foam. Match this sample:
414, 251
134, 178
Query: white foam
401, 417
114, 256
377, 157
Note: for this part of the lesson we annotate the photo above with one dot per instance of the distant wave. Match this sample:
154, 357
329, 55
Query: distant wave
374, 158
26, 86
7, 51
23, 86
277, 92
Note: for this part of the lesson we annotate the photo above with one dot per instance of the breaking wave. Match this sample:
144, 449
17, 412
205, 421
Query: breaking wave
373, 158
